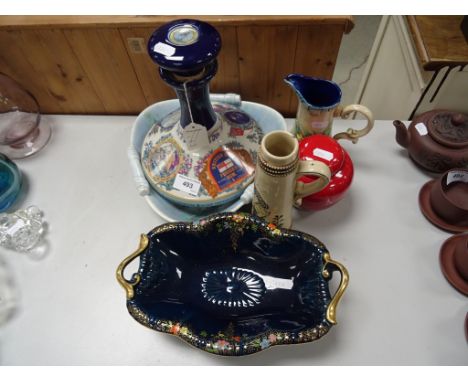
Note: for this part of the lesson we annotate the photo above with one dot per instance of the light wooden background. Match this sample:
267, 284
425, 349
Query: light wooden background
99, 64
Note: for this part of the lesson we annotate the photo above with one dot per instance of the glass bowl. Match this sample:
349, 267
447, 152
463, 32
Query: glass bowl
21, 131
10, 182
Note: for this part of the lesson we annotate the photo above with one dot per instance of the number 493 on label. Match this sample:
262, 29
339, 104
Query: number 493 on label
186, 184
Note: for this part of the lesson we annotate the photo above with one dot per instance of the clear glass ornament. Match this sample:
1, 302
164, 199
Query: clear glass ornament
21, 230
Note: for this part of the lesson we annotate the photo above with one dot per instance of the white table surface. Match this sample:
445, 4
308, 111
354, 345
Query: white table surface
397, 310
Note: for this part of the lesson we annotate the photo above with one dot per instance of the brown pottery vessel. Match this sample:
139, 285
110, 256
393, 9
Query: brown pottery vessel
454, 261
444, 201
436, 140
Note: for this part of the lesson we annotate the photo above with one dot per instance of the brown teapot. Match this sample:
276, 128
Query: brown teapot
436, 140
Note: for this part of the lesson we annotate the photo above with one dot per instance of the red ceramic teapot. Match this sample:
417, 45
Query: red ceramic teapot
329, 151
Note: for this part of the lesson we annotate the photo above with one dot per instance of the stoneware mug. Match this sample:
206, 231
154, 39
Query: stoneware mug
277, 187
319, 101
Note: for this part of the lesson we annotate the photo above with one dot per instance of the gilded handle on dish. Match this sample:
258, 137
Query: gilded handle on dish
331, 310
352, 134
126, 284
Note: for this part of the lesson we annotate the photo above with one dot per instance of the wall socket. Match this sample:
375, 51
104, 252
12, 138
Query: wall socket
136, 44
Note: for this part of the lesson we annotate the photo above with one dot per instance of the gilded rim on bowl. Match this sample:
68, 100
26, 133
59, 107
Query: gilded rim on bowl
225, 342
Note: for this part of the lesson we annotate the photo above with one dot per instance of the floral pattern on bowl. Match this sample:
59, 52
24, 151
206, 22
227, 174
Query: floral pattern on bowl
233, 284
233, 144
267, 118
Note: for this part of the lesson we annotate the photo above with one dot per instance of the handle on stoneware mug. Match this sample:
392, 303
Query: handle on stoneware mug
315, 168
352, 134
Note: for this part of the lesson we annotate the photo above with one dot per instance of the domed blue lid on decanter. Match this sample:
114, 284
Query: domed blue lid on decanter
184, 45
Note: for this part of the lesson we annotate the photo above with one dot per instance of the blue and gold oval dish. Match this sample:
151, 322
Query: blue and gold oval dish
233, 284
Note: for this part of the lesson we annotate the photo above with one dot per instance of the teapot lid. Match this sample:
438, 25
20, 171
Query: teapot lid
323, 148
445, 127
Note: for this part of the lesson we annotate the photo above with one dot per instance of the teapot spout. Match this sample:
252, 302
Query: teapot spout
402, 134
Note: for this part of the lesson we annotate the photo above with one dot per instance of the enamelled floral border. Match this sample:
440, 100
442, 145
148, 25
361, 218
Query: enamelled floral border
225, 342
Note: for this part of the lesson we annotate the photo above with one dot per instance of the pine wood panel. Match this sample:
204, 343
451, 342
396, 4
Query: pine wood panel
85, 67
15, 62
266, 56
128, 21
56, 63
154, 89
439, 40
316, 52
104, 58
227, 79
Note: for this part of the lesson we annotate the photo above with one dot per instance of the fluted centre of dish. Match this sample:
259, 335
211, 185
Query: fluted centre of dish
232, 288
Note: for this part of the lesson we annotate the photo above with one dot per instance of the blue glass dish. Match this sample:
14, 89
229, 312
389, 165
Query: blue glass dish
10, 182
233, 284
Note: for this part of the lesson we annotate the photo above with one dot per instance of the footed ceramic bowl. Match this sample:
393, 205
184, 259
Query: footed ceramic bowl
210, 175
267, 118
444, 201
233, 284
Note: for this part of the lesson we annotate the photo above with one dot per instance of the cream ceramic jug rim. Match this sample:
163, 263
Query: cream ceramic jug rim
315, 93
279, 148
